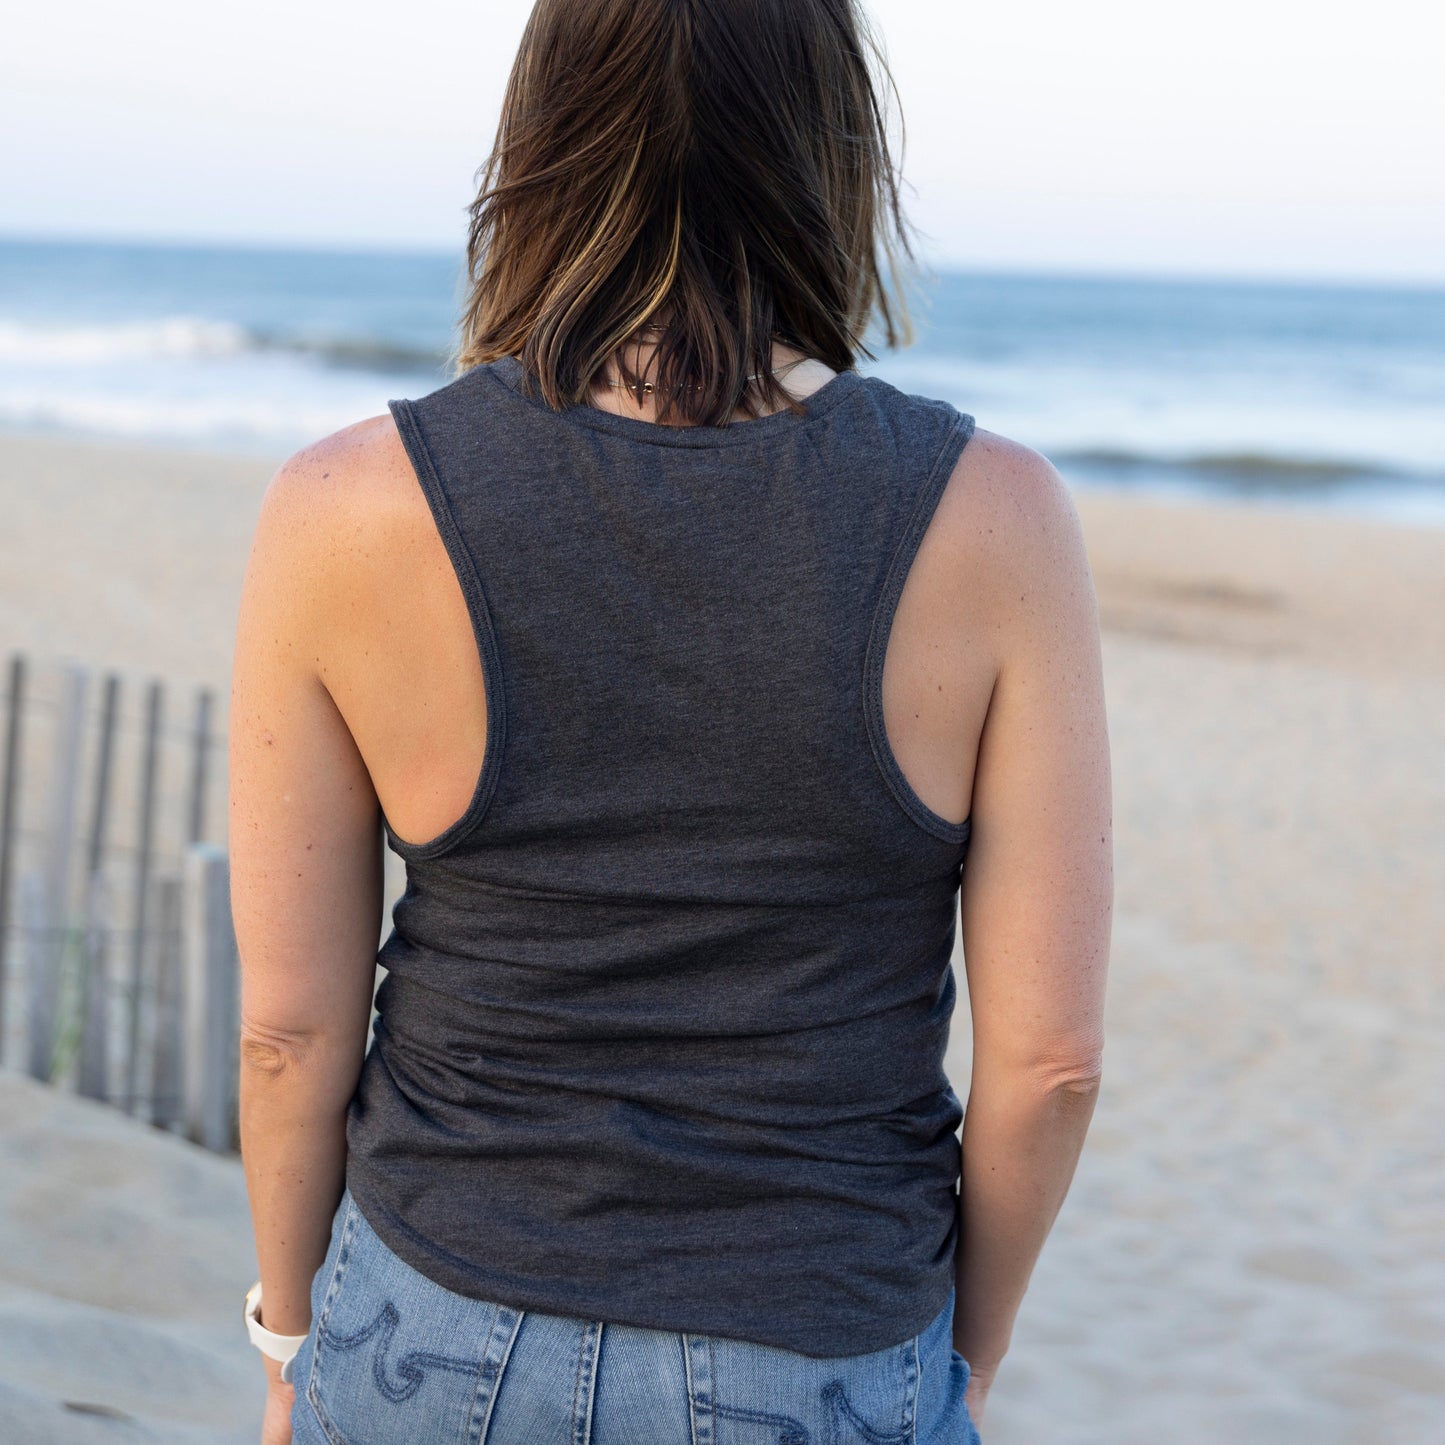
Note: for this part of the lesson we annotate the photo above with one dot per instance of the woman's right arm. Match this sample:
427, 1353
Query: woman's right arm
1037, 887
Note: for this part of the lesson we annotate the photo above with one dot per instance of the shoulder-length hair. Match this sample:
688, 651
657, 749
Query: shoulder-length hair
718, 165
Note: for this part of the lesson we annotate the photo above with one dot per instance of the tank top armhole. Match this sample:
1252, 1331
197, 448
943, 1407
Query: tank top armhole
429, 477
954, 442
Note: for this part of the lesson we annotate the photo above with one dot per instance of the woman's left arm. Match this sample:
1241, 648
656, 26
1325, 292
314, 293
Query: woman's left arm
306, 881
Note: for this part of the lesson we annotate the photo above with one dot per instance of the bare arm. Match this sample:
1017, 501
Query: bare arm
306, 859
1037, 892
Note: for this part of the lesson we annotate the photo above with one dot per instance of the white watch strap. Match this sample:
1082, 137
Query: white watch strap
281, 1348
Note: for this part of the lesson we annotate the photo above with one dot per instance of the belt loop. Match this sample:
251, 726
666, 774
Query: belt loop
506, 1322
584, 1395
697, 1361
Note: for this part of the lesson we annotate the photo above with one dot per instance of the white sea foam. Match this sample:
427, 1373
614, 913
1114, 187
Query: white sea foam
169, 337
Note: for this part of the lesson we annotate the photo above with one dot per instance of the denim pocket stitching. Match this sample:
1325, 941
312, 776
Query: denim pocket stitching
789, 1431
409, 1365
842, 1413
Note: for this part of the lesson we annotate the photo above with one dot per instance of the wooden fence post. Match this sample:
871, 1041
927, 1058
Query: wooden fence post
45, 981
163, 1039
34, 956
211, 981
93, 1077
97, 1054
145, 837
104, 759
200, 757
9, 814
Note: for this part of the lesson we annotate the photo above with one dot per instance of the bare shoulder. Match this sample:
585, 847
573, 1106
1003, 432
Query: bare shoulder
342, 501
1015, 530
1013, 493
333, 519
361, 468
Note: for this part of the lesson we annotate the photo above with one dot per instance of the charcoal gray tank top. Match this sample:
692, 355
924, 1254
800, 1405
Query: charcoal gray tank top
661, 1036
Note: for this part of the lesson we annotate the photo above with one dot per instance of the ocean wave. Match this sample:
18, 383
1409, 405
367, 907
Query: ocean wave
1242, 468
168, 338
178, 338
362, 353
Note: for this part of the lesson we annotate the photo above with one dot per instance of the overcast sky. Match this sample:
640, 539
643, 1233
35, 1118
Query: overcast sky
1264, 137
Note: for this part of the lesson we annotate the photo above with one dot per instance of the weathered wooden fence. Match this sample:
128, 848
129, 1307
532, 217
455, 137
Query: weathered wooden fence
118, 966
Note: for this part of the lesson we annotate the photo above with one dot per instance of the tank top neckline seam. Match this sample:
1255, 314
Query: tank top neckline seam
506, 371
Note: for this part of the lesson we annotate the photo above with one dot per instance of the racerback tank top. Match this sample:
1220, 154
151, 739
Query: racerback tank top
661, 1036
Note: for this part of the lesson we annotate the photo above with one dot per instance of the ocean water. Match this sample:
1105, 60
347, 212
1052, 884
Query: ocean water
1320, 396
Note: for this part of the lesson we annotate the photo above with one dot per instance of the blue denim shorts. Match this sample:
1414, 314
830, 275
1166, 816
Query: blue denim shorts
393, 1357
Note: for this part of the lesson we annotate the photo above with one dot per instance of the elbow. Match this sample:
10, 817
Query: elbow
1070, 1089
312, 1070
269, 1053
1072, 1072
1082, 1083
1076, 1070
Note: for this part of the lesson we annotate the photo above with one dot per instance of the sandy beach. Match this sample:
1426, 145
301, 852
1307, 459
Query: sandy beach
1253, 1251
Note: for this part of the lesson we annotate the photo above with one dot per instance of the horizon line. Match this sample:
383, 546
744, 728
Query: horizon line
933, 261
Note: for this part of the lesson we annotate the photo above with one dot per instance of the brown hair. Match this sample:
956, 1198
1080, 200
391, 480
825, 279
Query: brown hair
721, 165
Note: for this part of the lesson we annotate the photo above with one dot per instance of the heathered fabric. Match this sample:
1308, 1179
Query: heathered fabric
661, 1038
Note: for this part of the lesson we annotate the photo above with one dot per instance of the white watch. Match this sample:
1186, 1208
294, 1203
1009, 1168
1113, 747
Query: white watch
281, 1348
